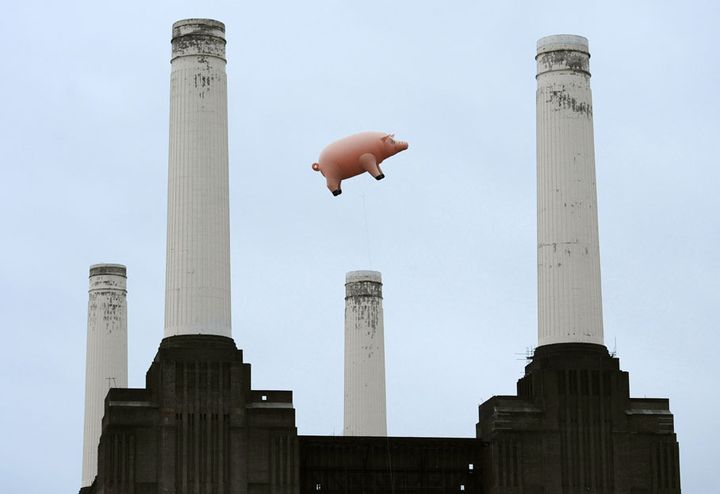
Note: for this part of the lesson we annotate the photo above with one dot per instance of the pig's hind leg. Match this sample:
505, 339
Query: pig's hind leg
369, 164
334, 185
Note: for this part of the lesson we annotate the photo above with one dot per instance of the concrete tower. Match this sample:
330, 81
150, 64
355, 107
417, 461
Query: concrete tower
197, 283
365, 413
573, 426
569, 297
106, 362
197, 426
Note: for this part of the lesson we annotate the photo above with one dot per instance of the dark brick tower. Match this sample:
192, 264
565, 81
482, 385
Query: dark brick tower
573, 428
197, 427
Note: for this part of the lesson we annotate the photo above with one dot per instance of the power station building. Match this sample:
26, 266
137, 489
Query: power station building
198, 426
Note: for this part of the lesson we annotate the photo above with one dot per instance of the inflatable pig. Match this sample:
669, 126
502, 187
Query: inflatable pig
354, 155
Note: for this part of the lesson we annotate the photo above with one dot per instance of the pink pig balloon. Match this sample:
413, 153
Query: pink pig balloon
354, 155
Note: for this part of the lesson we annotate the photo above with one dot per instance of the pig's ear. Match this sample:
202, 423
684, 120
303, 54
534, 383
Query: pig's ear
386, 137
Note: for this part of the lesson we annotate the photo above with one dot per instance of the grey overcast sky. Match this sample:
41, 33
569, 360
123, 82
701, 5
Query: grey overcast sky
83, 139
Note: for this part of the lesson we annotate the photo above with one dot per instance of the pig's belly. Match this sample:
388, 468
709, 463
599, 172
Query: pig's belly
346, 165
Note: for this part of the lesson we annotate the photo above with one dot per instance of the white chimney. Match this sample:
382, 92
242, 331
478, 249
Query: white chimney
106, 361
569, 296
197, 285
365, 413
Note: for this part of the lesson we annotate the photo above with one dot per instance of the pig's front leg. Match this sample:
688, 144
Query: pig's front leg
334, 185
369, 164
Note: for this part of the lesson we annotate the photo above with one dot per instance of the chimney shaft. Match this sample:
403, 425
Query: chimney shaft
569, 296
365, 413
197, 284
106, 361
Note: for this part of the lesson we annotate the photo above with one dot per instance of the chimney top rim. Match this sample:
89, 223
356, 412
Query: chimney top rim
198, 26
108, 269
363, 275
199, 21
557, 42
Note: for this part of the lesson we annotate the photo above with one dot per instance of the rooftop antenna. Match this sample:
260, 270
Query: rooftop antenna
527, 354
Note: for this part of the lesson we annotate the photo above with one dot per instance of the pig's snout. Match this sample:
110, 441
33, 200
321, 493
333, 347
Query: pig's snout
402, 145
